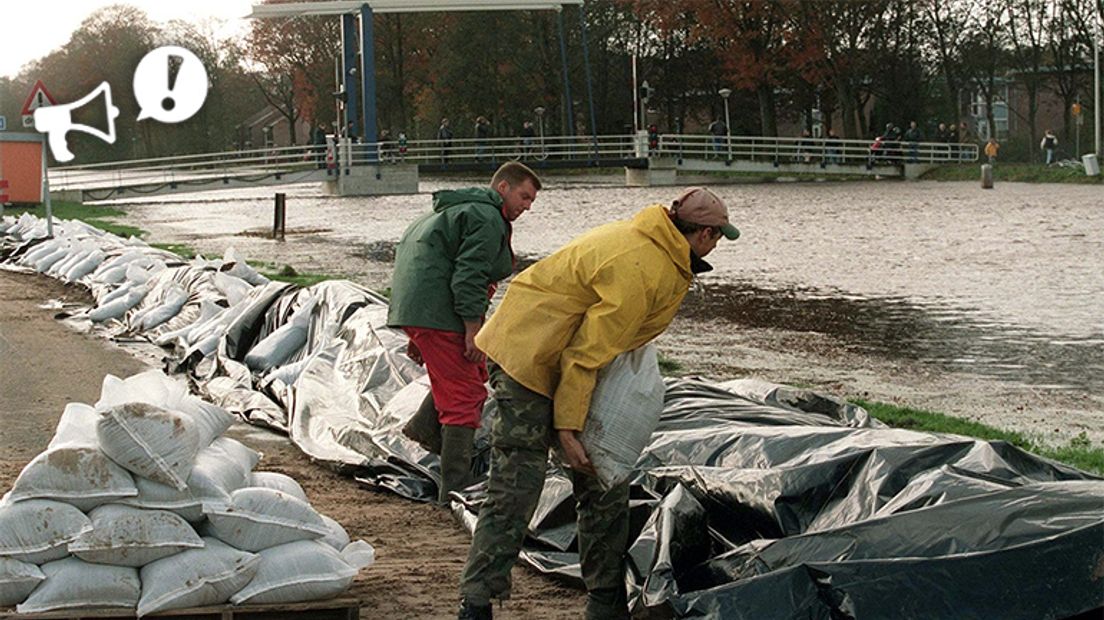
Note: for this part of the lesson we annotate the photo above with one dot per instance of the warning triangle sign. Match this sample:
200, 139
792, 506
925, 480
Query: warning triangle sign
39, 97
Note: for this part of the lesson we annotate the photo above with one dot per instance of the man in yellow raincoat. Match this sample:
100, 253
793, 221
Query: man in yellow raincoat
609, 291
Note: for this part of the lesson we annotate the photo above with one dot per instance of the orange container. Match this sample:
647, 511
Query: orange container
21, 166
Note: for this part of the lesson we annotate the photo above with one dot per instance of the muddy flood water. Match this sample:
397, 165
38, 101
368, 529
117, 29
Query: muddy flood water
982, 304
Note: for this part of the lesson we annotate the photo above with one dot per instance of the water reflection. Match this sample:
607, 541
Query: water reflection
950, 338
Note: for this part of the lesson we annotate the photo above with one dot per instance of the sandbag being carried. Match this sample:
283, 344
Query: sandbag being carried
39, 530
258, 518
624, 410
127, 536
195, 578
17, 580
72, 584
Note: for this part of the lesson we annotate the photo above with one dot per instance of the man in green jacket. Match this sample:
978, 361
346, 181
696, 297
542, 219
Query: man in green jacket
446, 267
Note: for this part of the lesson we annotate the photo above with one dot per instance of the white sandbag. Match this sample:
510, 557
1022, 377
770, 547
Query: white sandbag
119, 306
304, 570
624, 410
338, 538
207, 309
233, 288
285, 341
76, 426
236, 266
280, 482
156, 496
76, 254
288, 374
74, 584
41, 250
73, 468
149, 441
196, 578
17, 580
222, 468
111, 275
175, 299
85, 266
111, 296
258, 518
44, 263
39, 530
125, 259
127, 536
156, 388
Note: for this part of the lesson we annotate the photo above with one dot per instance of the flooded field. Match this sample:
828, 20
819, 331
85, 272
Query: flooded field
984, 304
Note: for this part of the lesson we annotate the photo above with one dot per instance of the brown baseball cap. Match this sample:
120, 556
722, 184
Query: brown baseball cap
698, 205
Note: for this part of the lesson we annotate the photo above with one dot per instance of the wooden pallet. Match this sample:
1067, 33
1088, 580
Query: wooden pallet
333, 609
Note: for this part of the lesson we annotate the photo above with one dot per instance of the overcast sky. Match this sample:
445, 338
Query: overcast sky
32, 29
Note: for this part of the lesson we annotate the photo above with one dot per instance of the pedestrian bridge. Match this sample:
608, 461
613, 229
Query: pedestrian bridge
390, 167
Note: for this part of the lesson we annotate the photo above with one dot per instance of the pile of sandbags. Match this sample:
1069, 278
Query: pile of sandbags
140, 502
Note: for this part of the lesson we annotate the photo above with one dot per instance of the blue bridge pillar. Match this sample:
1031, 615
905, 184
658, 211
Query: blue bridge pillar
368, 72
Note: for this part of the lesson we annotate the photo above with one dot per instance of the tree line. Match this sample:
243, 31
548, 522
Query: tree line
861, 63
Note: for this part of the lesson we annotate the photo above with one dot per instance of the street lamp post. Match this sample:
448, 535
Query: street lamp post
540, 125
725, 93
1096, 62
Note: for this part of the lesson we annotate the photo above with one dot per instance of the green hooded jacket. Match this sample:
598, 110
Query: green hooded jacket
447, 259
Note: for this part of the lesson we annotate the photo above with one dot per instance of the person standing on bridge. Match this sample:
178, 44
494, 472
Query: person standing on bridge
719, 131
444, 138
446, 268
609, 291
913, 136
482, 135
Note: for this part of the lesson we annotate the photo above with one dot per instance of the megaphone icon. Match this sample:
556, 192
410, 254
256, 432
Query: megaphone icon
57, 120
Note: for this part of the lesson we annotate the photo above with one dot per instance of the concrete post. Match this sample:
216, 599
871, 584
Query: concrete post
986, 176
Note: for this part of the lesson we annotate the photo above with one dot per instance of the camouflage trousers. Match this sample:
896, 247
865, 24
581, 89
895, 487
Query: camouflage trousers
521, 435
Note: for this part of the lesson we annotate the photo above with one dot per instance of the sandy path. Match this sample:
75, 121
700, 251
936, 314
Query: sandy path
420, 550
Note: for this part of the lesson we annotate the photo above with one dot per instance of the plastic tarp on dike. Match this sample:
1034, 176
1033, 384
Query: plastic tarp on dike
753, 500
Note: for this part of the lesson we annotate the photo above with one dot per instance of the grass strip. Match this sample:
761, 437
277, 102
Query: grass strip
287, 273
1078, 452
1013, 172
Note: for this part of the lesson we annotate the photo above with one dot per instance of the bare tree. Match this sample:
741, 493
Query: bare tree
1029, 23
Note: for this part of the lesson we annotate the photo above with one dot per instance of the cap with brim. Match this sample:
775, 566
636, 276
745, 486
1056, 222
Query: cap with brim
698, 205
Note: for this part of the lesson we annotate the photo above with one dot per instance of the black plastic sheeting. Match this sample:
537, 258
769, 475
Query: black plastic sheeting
753, 500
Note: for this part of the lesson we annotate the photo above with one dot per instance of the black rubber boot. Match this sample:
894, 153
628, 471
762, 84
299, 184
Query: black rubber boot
471, 611
456, 453
424, 427
607, 604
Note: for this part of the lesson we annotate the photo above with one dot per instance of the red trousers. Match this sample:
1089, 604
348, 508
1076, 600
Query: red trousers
456, 383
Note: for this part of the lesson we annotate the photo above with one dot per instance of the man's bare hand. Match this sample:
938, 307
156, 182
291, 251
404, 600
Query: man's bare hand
472, 352
414, 353
575, 453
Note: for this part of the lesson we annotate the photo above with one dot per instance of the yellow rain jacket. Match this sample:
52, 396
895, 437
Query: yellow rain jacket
610, 290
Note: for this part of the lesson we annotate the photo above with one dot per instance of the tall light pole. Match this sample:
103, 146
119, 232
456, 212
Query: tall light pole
725, 93
1096, 56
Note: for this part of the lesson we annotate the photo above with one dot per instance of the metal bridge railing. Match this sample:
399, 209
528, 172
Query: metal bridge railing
467, 150
812, 150
255, 163
285, 162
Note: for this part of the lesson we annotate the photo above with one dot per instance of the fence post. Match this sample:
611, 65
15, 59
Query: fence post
279, 222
